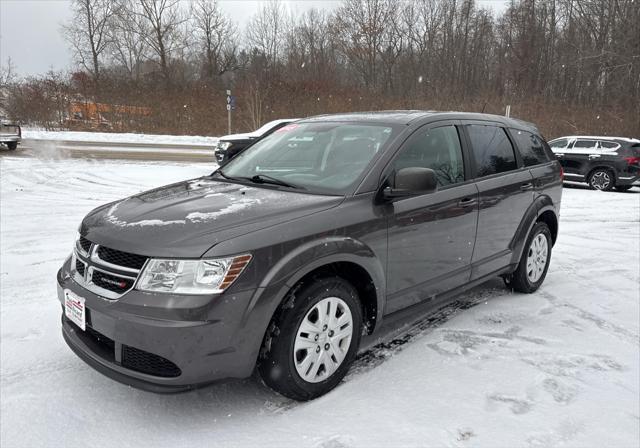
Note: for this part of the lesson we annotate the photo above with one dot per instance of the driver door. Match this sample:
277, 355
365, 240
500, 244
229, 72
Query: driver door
431, 236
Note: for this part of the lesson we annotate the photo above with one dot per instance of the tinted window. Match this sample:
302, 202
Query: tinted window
585, 144
559, 144
531, 147
492, 149
438, 149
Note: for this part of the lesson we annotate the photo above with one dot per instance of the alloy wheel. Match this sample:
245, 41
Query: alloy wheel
600, 180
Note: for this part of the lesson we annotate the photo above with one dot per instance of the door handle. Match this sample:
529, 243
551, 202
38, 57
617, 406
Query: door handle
559, 155
527, 186
594, 156
467, 202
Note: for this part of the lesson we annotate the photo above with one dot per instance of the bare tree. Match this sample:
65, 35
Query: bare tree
88, 30
127, 48
265, 31
217, 37
160, 28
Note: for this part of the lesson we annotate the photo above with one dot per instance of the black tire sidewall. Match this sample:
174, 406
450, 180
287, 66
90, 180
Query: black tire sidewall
278, 369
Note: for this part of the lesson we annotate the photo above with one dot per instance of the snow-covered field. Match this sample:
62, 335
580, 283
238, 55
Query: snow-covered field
74, 136
557, 368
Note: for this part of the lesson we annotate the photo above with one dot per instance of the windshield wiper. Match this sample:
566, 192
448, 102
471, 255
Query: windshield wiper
265, 179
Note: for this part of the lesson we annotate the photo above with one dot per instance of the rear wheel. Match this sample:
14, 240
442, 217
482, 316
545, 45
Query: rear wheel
601, 179
313, 339
623, 187
12, 145
534, 262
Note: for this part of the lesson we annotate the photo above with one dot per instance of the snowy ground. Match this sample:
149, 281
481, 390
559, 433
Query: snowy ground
557, 368
73, 136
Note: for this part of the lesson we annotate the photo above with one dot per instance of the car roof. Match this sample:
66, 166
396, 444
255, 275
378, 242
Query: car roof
408, 116
598, 137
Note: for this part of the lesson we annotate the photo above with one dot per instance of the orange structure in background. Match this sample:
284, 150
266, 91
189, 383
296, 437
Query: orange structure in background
101, 116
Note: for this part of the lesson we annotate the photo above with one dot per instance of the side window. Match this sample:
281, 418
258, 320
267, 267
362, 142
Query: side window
531, 147
492, 149
585, 145
438, 149
608, 145
559, 144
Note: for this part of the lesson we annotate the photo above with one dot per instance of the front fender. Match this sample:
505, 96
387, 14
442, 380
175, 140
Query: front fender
310, 256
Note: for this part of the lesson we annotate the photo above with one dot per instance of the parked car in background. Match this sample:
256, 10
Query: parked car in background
602, 162
10, 133
303, 243
231, 145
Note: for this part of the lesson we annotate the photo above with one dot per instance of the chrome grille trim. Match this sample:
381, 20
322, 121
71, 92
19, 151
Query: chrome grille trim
92, 262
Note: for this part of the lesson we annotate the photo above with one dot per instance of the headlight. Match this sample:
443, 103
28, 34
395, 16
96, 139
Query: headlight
191, 276
222, 146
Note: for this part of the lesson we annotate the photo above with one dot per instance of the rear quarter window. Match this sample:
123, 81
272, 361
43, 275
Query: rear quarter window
492, 149
531, 147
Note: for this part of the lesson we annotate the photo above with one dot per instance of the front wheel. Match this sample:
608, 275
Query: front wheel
534, 262
12, 145
601, 179
313, 339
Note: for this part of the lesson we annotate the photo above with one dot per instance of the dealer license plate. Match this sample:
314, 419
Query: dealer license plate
74, 309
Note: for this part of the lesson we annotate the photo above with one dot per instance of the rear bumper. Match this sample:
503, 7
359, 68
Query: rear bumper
628, 180
7, 138
177, 351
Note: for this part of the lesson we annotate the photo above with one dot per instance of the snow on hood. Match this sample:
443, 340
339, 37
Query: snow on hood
187, 218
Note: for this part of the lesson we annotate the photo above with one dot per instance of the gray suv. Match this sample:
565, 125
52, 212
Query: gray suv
305, 242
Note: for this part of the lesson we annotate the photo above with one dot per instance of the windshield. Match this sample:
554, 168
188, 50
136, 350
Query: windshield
322, 157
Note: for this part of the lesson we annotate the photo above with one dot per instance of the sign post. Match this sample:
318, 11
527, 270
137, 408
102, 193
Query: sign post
229, 111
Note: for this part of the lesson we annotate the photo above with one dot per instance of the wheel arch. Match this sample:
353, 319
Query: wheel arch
542, 209
348, 258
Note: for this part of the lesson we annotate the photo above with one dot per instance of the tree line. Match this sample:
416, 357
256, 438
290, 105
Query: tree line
571, 66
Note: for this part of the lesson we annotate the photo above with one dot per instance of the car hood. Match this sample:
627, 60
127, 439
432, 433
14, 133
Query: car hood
232, 137
188, 218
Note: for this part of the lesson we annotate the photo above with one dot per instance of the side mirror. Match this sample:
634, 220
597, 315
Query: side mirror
411, 182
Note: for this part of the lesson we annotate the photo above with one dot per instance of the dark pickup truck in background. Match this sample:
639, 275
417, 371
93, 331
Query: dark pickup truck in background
602, 162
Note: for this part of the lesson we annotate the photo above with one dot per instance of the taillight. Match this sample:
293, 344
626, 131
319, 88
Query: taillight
561, 173
633, 160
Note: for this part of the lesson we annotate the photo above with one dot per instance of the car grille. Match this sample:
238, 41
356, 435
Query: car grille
113, 283
85, 244
80, 267
108, 272
145, 362
121, 258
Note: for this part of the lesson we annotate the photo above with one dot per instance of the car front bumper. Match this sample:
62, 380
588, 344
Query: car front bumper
155, 342
9, 138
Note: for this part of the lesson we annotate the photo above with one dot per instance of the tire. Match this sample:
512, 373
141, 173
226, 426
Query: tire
623, 187
12, 146
288, 350
602, 179
528, 277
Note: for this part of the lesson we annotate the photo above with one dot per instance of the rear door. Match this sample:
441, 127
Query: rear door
431, 236
506, 191
584, 154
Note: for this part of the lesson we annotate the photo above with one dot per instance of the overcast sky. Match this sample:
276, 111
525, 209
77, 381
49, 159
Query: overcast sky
30, 29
